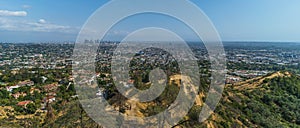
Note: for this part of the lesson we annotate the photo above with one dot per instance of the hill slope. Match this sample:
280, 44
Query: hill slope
268, 101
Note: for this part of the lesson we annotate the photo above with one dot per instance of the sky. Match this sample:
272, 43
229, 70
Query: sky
235, 20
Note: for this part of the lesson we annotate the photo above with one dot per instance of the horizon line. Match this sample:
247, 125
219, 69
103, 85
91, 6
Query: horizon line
225, 41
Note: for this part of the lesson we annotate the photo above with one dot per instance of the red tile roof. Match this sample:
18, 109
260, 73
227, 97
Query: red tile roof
24, 103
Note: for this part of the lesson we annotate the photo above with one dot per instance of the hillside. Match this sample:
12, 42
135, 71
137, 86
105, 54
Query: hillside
268, 101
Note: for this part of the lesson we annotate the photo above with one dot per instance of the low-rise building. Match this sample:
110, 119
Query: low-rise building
50, 87
49, 99
18, 94
24, 103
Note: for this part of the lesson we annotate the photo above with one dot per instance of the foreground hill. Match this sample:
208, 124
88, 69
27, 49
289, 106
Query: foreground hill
268, 101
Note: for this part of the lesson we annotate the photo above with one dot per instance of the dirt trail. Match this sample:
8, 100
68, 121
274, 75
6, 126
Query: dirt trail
258, 81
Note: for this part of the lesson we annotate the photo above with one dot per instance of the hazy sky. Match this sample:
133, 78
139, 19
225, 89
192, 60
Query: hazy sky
235, 20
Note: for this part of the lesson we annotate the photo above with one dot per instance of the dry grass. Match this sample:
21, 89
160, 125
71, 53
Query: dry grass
258, 81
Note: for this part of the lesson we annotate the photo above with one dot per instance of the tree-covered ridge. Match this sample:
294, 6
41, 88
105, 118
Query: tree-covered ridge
273, 103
